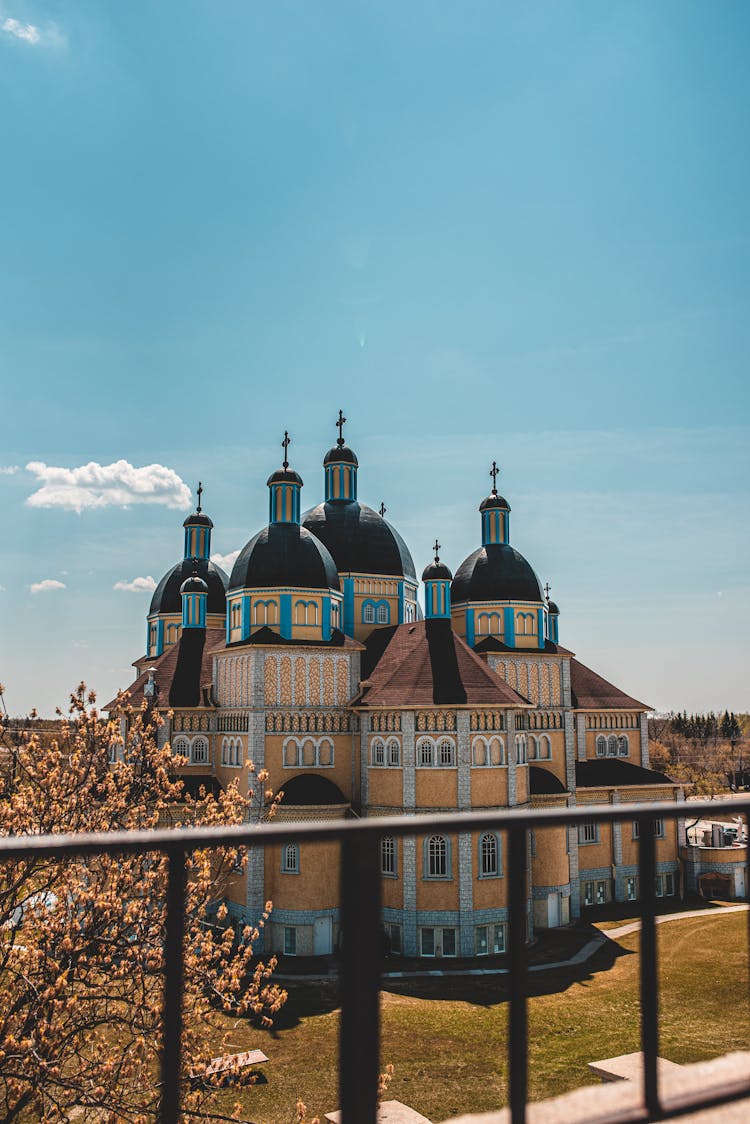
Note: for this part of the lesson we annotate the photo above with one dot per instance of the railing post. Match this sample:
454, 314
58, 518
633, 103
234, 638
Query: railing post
518, 1016
649, 972
361, 952
173, 979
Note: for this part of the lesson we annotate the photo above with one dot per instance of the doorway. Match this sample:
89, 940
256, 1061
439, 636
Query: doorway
322, 936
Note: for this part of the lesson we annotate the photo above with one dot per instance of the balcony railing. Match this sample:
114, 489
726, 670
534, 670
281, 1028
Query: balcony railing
362, 947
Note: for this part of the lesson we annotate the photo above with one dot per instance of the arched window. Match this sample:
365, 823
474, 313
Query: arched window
325, 752
612, 745
199, 751
446, 753
225, 751
545, 747
437, 857
388, 856
181, 747
601, 746
480, 752
497, 751
623, 745
383, 614
533, 748
292, 756
290, 858
378, 752
308, 752
521, 749
489, 856
394, 752
368, 614
425, 752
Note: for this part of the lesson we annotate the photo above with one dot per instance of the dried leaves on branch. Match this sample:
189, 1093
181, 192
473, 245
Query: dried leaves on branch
81, 961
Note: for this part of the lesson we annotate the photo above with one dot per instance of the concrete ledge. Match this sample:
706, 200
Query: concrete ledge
629, 1067
389, 1112
596, 1104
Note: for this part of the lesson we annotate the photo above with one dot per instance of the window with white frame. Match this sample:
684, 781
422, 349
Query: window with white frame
631, 889
489, 855
368, 614
589, 893
437, 942
290, 941
378, 752
394, 752
612, 746
199, 751
588, 832
601, 892
393, 938
425, 752
225, 751
601, 746
664, 885
181, 747
388, 856
290, 858
437, 863
383, 614
446, 752
623, 745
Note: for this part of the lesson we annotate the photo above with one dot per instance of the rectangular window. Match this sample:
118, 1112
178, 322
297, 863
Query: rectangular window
668, 885
657, 826
449, 942
589, 891
481, 946
388, 856
588, 832
601, 893
290, 859
290, 941
631, 889
427, 942
393, 932
498, 938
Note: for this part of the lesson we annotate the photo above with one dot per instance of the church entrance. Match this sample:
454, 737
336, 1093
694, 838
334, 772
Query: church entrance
553, 910
322, 936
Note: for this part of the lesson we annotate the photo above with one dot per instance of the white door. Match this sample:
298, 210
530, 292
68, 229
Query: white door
553, 910
739, 882
322, 936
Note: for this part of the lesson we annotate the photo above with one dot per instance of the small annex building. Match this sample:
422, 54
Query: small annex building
314, 660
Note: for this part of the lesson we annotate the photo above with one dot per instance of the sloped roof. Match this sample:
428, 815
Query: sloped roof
611, 772
590, 691
492, 644
180, 671
266, 637
427, 664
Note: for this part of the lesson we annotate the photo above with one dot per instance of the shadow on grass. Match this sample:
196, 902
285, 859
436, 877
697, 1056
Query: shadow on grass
630, 911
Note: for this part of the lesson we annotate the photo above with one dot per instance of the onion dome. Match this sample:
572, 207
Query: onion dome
341, 454
284, 554
340, 465
194, 595
167, 595
495, 573
194, 584
552, 609
198, 529
437, 590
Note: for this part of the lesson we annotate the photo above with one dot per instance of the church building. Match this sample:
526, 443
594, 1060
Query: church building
315, 661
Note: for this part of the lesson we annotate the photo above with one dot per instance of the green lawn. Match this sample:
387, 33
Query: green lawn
448, 1039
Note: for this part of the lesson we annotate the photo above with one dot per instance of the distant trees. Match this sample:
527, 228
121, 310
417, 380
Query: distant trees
709, 751
81, 957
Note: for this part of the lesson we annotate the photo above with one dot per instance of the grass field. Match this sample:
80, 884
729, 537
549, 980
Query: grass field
448, 1038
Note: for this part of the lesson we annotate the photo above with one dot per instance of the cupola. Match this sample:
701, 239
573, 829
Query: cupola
437, 588
198, 532
284, 485
194, 593
553, 614
340, 466
495, 511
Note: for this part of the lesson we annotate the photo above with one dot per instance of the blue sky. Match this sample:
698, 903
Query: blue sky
486, 231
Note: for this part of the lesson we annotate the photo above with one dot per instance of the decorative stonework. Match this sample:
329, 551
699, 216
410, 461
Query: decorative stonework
310, 721
315, 681
487, 720
300, 681
285, 669
385, 721
271, 690
342, 682
436, 720
328, 683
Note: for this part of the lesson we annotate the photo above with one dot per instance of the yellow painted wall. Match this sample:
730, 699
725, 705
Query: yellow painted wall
522, 784
436, 788
550, 865
594, 855
340, 773
489, 787
386, 787
437, 894
317, 884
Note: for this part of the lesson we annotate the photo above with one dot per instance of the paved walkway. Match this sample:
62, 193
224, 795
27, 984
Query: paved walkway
585, 953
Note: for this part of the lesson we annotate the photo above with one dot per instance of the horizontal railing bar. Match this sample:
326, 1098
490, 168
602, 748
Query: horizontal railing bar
194, 838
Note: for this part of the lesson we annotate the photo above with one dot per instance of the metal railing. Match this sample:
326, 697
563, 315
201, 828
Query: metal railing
362, 947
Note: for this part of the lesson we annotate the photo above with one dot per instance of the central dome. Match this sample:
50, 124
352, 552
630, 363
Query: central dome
495, 572
359, 539
284, 554
167, 596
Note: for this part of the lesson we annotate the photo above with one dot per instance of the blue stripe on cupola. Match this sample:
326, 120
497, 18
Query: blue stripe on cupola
197, 541
510, 626
194, 610
494, 527
437, 599
540, 627
341, 482
284, 502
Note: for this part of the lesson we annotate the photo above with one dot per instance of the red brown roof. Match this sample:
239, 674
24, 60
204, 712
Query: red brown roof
166, 667
590, 691
427, 664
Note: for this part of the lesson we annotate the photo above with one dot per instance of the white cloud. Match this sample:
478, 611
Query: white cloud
48, 36
46, 586
138, 585
106, 485
9, 469
225, 561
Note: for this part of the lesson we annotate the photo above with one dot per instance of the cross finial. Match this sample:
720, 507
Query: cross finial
494, 473
436, 548
382, 509
340, 427
286, 443
200, 493
547, 589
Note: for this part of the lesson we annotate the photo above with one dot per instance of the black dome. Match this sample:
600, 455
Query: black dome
167, 597
359, 539
284, 554
284, 476
542, 782
311, 789
436, 571
197, 519
495, 573
494, 501
194, 584
552, 608
341, 453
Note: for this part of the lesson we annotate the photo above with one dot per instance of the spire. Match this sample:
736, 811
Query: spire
198, 532
495, 514
284, 486
437, 588
340, 465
